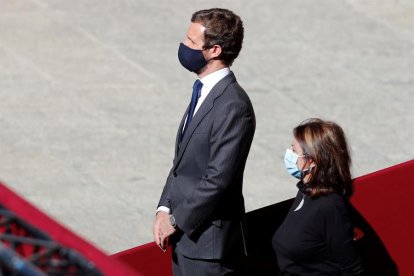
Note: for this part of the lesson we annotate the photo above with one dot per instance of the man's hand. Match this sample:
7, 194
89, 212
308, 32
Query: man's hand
162, 229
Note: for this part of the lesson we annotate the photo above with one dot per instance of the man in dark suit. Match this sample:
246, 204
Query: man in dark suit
201, 209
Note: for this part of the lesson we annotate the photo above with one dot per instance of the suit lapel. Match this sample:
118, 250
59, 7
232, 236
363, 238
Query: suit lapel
204, 109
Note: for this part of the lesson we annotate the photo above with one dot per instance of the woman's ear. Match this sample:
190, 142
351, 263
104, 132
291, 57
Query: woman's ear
311, 163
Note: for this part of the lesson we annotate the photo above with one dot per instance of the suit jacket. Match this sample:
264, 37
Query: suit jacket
204, 187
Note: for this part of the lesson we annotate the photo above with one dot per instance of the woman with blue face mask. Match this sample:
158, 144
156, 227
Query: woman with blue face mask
316, 237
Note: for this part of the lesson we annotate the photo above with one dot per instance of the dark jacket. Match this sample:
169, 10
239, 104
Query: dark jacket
204, 187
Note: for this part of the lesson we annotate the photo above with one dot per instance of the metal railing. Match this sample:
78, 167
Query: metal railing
25, 250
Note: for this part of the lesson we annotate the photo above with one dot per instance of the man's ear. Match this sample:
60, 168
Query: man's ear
215, 51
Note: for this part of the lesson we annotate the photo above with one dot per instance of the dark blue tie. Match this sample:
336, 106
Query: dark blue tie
194, 99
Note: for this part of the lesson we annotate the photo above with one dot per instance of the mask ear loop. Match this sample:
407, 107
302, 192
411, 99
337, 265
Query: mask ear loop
306, 171
209, 47
303, 173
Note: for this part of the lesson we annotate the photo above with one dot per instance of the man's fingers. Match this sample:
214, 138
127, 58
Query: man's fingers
162, 247
157, 238
161, 242
162, 239
162, 229
157, 231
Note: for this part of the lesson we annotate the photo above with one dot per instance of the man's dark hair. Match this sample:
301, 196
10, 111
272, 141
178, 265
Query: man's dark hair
223, 28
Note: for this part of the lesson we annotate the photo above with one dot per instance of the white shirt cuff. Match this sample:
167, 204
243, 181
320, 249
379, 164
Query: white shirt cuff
164, 209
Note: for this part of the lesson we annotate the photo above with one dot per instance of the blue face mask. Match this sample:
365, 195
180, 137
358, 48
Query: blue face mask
193, 60
291, 160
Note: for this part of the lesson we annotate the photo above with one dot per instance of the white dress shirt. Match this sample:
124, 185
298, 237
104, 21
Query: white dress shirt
208, 82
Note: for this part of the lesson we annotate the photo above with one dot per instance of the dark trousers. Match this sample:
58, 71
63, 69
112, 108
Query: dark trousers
183, 266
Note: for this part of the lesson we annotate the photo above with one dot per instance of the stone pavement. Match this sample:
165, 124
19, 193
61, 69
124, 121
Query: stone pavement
91, 94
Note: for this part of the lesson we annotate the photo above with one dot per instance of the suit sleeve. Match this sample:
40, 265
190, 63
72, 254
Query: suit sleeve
164, 199
165, 195
230, 140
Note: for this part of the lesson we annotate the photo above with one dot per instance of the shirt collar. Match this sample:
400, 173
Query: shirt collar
212, 79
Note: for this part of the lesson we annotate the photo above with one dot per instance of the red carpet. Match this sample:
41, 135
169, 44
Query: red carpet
384, 200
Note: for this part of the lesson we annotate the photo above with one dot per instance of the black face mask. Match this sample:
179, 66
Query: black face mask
192, 60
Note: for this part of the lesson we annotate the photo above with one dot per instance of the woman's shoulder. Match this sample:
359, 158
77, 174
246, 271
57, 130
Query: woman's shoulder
332, 202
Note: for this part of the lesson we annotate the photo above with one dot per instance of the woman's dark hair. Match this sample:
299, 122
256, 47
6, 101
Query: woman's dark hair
325, 143
223, 28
